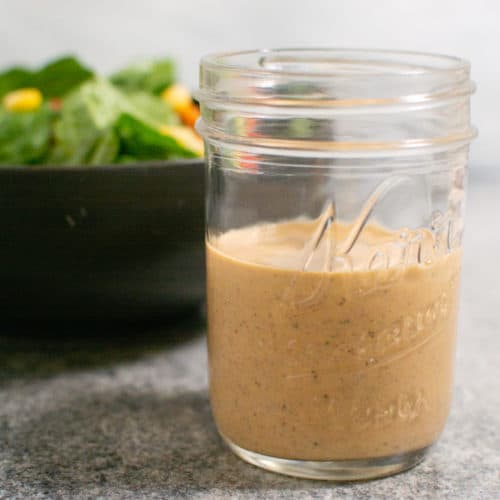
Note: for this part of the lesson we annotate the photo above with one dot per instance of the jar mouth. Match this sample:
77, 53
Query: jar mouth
334, 78
334, 62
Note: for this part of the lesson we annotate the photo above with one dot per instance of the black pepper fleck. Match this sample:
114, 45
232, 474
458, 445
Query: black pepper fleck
342, 301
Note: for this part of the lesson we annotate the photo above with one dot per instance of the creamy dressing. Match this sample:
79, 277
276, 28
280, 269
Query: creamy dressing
318, 356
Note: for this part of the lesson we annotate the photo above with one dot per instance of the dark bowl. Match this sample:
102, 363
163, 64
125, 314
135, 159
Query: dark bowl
107, 242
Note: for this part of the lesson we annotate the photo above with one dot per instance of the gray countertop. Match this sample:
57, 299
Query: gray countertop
86, 414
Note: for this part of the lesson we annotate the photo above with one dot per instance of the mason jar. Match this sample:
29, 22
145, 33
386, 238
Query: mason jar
335, 195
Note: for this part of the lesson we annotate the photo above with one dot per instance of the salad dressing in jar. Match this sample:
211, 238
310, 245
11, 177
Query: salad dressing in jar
335, 201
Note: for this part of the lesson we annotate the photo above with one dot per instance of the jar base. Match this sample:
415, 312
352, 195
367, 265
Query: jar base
333, 470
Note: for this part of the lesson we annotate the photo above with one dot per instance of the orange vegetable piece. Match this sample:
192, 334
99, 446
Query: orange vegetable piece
189, 114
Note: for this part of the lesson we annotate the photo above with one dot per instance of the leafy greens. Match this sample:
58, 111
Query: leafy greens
86, 119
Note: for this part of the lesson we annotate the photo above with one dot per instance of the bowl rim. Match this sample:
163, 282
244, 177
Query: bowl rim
119, 167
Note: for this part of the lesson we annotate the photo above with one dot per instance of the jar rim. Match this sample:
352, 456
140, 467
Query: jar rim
379, 62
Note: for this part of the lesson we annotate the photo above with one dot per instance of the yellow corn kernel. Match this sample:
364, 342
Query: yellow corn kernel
185, 136
177, 96
28, 99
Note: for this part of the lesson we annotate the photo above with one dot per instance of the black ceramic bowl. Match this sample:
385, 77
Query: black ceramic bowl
107, 242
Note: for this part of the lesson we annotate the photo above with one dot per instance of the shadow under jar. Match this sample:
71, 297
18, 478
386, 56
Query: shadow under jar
335, 202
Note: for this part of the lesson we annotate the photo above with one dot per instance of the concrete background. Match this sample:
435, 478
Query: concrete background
110, 33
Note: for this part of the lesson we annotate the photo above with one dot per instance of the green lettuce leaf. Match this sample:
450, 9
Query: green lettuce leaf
150, 109
139, 140
55, 79
14, 78
59, 77
105, 149
24, 137
147, 76
91, 112
87, 113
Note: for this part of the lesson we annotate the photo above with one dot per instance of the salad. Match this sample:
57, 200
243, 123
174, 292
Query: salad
65, 114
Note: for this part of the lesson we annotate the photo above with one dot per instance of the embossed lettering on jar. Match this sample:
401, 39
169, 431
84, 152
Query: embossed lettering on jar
335, 204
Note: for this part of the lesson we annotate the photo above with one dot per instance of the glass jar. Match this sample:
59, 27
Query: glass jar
335, 205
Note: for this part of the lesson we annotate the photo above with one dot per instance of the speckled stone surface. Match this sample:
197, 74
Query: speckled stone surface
87, 414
